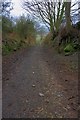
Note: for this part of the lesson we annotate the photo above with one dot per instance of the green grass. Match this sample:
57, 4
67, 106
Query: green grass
8, 48
12, 46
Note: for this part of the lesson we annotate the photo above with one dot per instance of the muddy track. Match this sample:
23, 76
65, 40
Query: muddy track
39, 83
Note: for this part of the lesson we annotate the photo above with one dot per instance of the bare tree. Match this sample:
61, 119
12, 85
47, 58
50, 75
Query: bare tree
7, 6
50, 12
67, 15
79, 10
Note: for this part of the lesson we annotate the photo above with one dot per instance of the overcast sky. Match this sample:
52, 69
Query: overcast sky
17, 11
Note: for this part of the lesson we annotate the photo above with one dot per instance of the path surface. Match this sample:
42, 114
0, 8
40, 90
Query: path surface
37, 82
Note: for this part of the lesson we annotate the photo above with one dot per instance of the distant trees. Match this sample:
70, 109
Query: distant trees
7, 26
6, 18
17, 33
25, 29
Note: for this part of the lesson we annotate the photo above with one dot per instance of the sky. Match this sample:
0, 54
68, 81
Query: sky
18, 10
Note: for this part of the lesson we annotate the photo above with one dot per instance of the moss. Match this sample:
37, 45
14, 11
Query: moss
69, 48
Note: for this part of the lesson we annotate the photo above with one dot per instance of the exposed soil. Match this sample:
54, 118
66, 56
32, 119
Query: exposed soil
40, 83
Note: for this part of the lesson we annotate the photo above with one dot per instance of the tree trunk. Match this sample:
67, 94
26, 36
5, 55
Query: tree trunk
67, 15
79, 11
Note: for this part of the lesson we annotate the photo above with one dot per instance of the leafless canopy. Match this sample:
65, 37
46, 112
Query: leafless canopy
49, 11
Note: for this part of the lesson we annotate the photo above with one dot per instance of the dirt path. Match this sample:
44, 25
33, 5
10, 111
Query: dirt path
37, 82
